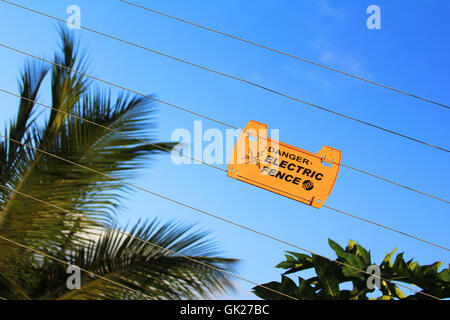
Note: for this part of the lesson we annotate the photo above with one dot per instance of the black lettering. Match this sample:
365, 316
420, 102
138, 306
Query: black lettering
280, 175
283, 164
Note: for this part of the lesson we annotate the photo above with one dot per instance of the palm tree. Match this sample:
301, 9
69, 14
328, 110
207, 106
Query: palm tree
73, 234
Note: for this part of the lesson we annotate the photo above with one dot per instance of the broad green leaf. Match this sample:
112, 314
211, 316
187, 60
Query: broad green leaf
287, 285
325, 271
431, 269
354, 262
364, 254
399, 268
295, 262
305, 290
413, 267
330, 276
444, 275
266, 294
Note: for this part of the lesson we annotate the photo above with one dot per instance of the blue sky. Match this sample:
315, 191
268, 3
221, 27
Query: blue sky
409, 53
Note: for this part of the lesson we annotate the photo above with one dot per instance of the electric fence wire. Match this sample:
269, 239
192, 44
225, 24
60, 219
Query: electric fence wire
151, 243
215, 167
197, 160
218, 269
207, 118
194, 208
235, 78
285, 53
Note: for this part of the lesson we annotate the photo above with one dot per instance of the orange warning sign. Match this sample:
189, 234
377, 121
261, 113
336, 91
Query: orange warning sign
283, 169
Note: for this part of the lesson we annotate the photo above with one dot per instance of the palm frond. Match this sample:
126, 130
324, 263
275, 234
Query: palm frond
147, 269
66, 185
83, 198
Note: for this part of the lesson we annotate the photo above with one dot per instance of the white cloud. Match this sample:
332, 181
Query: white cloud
332, 12
338, 59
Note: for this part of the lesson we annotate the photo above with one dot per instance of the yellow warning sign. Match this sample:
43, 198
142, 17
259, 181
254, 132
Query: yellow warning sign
283, 169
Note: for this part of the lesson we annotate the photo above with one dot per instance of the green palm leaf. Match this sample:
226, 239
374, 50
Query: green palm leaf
147, 269
87, 198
